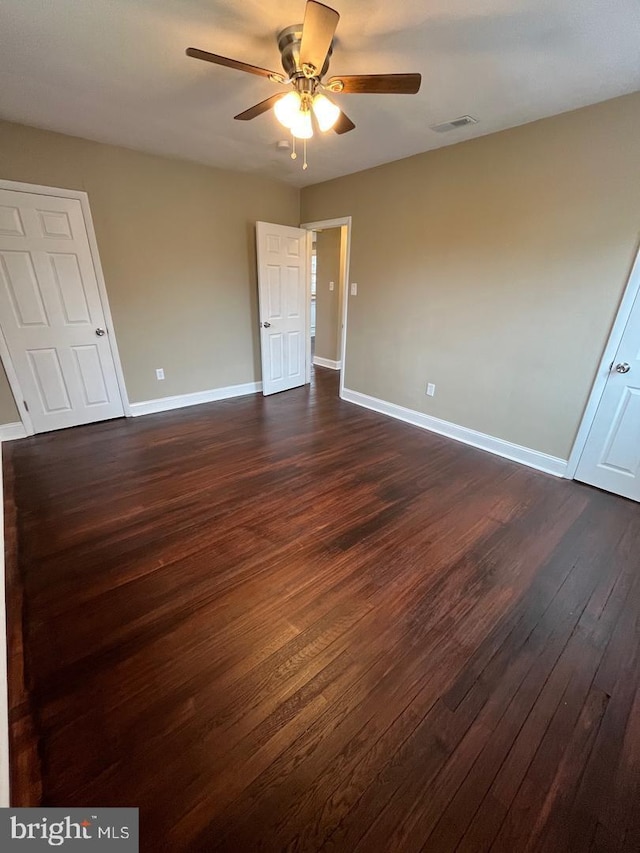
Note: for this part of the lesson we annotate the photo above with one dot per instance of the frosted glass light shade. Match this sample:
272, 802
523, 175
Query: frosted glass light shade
326, 112
302, 127
287, 109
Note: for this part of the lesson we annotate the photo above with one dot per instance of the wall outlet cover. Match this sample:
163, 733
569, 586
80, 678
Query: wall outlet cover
159, 373
354, 288
431, 389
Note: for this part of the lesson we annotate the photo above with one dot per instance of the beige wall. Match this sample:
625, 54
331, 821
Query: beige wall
494, 269
328, 301
177, 245
8, 410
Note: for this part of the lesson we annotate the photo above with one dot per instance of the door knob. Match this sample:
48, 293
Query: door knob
623, 367
100, 332
266, 325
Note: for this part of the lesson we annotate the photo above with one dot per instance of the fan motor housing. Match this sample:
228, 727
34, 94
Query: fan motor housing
289, 46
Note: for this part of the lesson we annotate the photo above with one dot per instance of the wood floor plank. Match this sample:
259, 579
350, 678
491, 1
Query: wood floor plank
394, 818
591, 637
465, 814
290, 623
428, 618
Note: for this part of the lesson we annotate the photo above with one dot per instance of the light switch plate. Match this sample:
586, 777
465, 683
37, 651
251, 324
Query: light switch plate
159, 373
431, 389
331, 285
354, 288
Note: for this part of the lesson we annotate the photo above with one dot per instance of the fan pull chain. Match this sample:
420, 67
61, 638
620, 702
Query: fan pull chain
294, 155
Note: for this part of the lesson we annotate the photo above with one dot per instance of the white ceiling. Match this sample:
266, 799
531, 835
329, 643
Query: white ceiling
115, 71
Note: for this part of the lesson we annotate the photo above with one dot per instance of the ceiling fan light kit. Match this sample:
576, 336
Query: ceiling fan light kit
305, 51
325, 111
287, 109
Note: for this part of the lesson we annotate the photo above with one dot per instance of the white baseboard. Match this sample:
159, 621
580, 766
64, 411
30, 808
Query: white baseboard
4, 683
498, 446
165, 404
9, 432
327, 362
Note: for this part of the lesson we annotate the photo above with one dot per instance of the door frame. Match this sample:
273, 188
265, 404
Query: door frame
339, 222
631, 292
12, 376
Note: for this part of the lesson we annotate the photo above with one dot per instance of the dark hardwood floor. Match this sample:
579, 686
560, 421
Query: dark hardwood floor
293, 624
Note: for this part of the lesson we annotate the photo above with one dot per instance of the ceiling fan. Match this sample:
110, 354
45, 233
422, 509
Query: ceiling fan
305, 51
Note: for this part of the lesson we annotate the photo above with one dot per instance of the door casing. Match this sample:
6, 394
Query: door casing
12, 376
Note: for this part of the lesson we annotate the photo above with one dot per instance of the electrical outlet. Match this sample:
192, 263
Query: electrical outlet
159, 373
354, 288
331, 285
431, 389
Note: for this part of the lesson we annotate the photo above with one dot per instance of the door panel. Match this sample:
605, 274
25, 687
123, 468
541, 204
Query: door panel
54, 223
10, 221
293, 340
68, 279
274, 285
622, 451
276, 357
611, 456
295, 293
91, 372
47, 374
21, 285
50, 309
282, 292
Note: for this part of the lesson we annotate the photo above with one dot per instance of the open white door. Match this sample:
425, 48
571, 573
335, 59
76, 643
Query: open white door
51, 312
611, 455
282, 290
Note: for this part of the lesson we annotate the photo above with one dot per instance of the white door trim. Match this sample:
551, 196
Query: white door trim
12, 376
622, 318
314, 226
5, 756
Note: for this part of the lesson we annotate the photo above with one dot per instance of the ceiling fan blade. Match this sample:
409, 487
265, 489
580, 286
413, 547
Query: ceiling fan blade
318, 29
260, 108
344, 124
229, 63
376, 84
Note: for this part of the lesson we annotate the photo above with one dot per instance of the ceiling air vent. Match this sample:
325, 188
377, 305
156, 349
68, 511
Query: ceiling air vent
446, 126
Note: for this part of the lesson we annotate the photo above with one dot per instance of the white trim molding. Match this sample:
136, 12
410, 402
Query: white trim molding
498, 446
181, 401
327, 362
9, 432
4, 681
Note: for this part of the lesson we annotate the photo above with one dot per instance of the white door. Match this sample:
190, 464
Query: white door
282, 290
611, 456
51, 313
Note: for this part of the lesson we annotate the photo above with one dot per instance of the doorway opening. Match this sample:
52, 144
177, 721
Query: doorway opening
327, 300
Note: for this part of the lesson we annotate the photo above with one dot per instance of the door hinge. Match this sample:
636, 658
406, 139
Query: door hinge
25, 405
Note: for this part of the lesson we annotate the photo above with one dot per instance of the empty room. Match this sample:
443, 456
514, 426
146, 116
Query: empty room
320, 426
